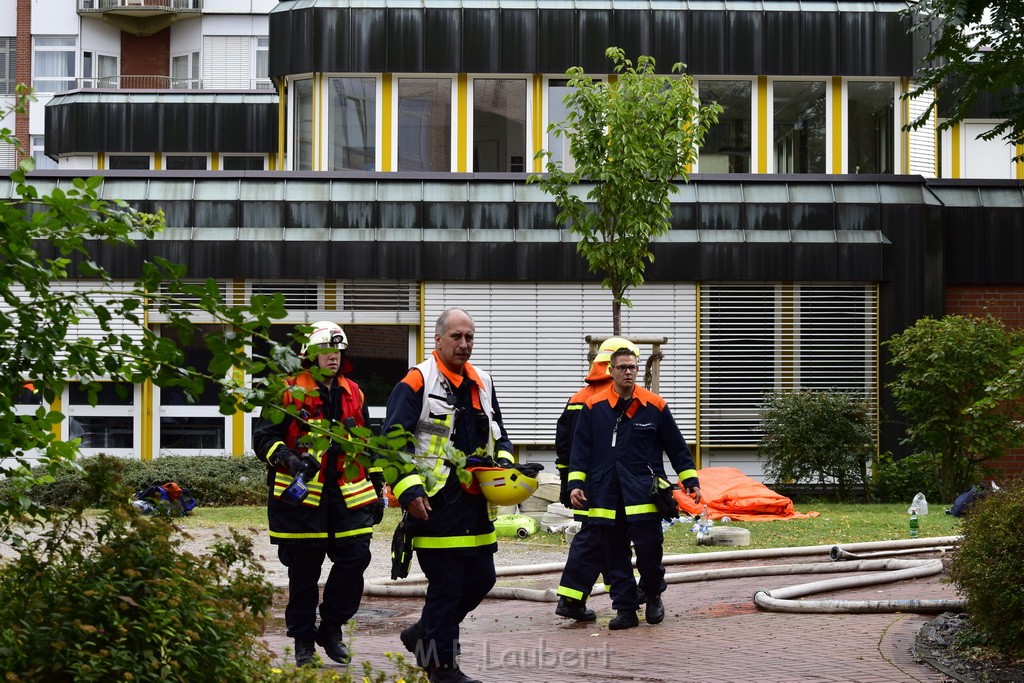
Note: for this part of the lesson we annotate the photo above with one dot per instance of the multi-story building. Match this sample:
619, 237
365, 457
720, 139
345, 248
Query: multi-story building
369, 160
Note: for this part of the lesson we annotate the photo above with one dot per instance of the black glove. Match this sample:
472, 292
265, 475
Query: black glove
304, 463
377, 510
504, 462
377, 479
530, 469
563, 490
483, 461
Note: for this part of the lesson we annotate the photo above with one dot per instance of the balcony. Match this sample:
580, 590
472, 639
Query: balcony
140, 17
154, 82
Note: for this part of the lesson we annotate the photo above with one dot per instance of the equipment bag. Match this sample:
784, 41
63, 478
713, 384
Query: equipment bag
169, 499
401, 549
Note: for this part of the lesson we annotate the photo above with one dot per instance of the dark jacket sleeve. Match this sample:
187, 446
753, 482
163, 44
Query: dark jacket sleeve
268, 438
582, 442
404, 407
502, 445
678, 452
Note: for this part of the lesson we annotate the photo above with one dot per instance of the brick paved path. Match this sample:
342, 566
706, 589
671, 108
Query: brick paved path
712, 632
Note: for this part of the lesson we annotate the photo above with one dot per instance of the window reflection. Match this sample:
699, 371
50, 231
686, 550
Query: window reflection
799, 116
192, 423
727, 146
107, 424
558, 146
499, 125
871, 121
352, 120
424, 124
302, 145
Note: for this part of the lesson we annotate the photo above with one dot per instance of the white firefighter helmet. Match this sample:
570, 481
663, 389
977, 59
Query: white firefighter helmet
326, 335
613, 344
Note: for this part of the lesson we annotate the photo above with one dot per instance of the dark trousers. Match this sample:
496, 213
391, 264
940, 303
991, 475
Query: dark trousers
342, 591
647, 538
457, 582
585, 561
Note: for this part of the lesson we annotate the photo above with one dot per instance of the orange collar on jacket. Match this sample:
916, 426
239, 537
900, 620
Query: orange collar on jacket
456, 380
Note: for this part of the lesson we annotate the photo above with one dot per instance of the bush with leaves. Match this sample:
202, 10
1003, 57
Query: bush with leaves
947, 367
817, 436
115, 598
897, 481
988, 568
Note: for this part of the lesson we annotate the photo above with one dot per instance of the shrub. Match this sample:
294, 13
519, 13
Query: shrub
114, 598
214, 481
822, 436
898, 481
988, 568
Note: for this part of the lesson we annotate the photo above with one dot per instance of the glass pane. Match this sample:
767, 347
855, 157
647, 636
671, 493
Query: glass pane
242, 163
352, 122
499, 125
558, 112
185, 163
102, 432
196, 356
107, 395
799, 141
872, 126
727, 146
302, 145
424, 124
179, 432
128, 163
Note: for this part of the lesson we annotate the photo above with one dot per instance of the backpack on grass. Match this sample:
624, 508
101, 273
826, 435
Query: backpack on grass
169, 499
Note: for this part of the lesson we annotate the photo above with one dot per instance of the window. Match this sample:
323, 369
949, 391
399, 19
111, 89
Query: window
185, 71
871, 119
53, 68
727, 146
558, 147
7, 66
352, 124
242, 163
175, 162
186, 426
42, 161
302, 142
798, 108
108, 425
499, 125
757, 338
261, 64
99, 71
424, 124
128, 162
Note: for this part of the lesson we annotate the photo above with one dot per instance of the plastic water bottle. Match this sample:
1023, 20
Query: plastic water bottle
913, 522
704, 519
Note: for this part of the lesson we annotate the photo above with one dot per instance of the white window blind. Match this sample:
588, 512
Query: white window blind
531, 338
757, 338
227, 62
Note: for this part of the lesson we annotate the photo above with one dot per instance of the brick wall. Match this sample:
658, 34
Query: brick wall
1005, 302
23, 69
146, 55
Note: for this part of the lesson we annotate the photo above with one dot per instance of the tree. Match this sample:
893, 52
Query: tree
947, 366
631, 138
976, 48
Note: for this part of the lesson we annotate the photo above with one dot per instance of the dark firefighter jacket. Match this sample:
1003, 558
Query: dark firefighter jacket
456, 415
338, 506
597, 380
617, 453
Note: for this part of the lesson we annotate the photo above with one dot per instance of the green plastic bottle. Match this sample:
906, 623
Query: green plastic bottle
913, 523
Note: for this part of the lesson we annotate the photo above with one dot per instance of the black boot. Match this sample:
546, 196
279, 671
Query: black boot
626, 618
304, 650
574, 609
334, 645
449, 674
655, 613
411, 636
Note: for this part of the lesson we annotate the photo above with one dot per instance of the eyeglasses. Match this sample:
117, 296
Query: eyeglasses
626, 368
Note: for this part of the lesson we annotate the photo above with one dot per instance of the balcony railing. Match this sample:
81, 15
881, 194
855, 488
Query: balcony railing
164, 5
145, 82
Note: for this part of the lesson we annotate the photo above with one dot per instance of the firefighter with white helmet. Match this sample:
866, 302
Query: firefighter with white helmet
586, 554
333, 513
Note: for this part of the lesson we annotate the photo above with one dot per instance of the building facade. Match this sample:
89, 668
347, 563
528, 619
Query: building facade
369, 161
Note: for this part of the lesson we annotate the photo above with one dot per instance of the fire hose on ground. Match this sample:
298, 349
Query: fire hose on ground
778, 600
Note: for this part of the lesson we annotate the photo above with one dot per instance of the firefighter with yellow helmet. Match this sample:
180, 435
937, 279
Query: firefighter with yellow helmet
331, 511
586, 554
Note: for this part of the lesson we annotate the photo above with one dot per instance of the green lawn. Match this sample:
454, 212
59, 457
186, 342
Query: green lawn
836, 524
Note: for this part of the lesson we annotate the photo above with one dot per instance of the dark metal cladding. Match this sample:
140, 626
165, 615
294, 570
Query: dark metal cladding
444, 33
481, 43
89, 125
551, 40
763, 258
405, 41
594, 36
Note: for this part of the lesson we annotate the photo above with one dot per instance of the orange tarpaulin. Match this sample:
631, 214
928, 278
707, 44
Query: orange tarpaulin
728, 492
